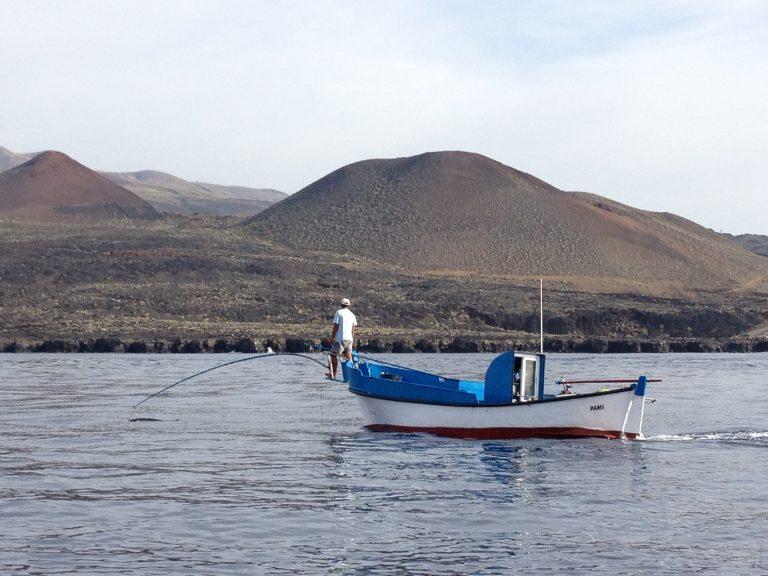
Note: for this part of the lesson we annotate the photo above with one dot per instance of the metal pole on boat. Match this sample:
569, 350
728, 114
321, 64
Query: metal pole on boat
541, 314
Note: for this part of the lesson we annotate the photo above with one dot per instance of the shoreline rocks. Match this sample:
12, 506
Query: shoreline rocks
385, 345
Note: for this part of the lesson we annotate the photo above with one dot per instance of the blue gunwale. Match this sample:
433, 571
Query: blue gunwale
369, 378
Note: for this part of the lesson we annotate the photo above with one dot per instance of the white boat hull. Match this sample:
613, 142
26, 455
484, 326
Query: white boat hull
611, 414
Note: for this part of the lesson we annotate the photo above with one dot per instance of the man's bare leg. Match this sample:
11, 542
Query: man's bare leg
334, 365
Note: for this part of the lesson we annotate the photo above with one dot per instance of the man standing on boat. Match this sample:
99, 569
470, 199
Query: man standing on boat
343, 336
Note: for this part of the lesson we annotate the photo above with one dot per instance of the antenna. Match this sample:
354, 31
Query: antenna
541, 314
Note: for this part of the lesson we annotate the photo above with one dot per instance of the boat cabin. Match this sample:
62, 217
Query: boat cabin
522, 374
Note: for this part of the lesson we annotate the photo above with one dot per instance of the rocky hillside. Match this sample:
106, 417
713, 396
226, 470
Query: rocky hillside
53, 186
457, 212
756, 243
172, 194
198, 277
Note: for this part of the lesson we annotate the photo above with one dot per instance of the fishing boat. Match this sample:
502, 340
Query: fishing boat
510, 402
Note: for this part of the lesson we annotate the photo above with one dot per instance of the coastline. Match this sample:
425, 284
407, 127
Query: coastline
385, 345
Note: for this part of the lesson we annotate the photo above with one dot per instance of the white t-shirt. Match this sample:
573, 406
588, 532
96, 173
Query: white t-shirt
345, 319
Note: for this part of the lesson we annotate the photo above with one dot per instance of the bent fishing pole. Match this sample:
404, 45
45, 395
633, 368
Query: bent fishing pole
257, 357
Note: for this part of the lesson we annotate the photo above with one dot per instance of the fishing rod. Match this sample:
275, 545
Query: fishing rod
257, 357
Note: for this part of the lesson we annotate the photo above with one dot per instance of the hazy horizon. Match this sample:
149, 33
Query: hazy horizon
655, 104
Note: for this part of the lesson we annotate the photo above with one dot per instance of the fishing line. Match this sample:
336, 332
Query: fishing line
257, 357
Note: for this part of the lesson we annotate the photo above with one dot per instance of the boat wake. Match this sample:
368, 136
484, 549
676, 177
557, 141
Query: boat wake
740, 436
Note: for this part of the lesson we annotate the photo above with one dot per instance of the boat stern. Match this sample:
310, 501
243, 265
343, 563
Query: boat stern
633, 421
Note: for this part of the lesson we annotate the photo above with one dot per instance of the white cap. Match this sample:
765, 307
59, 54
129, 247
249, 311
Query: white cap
345, 302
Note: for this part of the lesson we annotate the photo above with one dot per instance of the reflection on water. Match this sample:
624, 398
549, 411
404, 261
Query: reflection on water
264, 468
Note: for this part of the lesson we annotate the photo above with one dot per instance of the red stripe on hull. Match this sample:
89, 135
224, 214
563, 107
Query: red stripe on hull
503, 433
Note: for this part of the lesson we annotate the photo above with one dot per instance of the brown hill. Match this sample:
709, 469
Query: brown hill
457, 212
175, 195
178, 196
52, 185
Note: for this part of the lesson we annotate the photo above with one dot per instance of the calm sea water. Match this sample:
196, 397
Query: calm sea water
264, 468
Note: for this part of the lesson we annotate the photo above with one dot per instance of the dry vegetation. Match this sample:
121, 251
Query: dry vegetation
203, 278
438, 251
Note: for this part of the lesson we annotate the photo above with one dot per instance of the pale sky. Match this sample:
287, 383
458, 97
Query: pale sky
661, 105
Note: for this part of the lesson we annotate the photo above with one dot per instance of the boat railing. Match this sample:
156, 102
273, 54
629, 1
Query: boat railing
606, 381
568, 384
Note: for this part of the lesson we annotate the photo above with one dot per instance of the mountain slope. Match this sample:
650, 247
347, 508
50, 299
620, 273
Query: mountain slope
173, 194
463, 212
757, 243
10, 159
244, 192
52, 185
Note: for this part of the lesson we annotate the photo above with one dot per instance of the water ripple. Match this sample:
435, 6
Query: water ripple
268, 471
